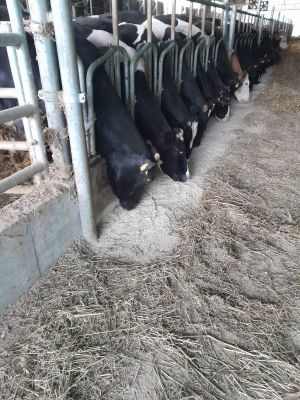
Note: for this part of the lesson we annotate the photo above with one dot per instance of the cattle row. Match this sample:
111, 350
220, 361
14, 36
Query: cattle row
162, 133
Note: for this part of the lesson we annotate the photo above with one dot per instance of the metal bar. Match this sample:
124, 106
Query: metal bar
10, 145
11, 114
29, 89
173, 19
210, 3
65, 44
114, 9
190, 20
203, 20
8, 93
189, 43
90, 95
213, 24
81, 74
225, 20
139, 53
11, 39
48, 67
14, 66
91, 7
231, 31
261, 22
196, 53
149, 40
21, 176
160, 70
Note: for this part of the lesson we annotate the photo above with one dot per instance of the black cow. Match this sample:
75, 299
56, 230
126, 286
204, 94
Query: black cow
148, 116
129, 162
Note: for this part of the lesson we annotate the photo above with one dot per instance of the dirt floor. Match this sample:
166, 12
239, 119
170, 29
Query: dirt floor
193, 295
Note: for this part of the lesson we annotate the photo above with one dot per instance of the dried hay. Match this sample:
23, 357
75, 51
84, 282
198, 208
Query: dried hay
11, 163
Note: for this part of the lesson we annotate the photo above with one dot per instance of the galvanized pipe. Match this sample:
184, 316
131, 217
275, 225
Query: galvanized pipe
200, 45
173, 20
91, 7
90, 95
189, 44
13, 113
117, 73
190, 20
258, 11
66, 50
225, 20
14, 66
11, 145
29, 89
21, 176
139, 53
48, 67
11, 39
149, 40
213, 24
160, 70
231, 30
203, 20
8, 93
261, 22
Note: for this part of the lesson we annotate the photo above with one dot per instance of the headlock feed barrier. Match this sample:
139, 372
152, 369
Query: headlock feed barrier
64, 81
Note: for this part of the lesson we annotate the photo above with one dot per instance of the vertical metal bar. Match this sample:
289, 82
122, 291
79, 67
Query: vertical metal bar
91, 7
258, 12
225, 20
29, 89
69, 76
173, 19
149, 40
190, 20
213, 23
13, 62
45, 49
231, 30
116, 67
261, 22
203, 20
239, 24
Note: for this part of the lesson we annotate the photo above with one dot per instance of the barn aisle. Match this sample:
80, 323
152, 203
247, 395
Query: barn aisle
195, 294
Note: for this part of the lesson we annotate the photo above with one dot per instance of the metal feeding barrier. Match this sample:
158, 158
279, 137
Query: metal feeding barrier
64, 82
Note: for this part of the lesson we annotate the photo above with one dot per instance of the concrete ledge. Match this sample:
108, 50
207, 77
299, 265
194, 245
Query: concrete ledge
38, 228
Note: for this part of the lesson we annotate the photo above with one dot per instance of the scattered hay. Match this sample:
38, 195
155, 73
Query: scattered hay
11, 163
279, 98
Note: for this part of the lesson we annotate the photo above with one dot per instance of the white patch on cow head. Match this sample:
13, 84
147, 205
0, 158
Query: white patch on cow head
226, 118
242, 94
187, 174
179, 135
183, 27
101, 38
194, 132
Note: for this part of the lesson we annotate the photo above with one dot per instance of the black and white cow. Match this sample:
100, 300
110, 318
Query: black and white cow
129, 162
149, 118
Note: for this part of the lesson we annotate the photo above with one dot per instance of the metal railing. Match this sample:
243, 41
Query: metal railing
13, 37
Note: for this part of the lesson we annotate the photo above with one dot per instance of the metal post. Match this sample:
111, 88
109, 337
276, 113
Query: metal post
231, 30
65, 43
91, 7
173, 19
203, 20
213, 24
261, 22
149, 40
29, 89
117, 73
225, 20
258, 12
190, 20
45, 49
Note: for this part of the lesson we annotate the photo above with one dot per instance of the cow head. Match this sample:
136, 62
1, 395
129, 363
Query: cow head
173, 160
128, 181
242, 94
222, 112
